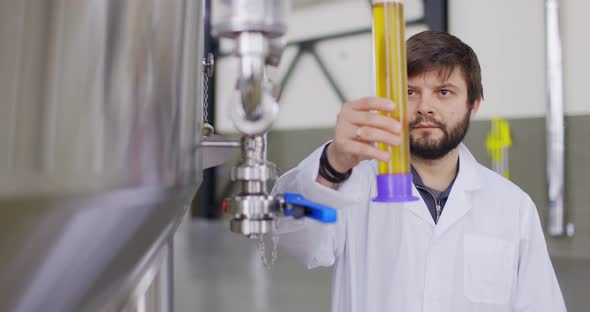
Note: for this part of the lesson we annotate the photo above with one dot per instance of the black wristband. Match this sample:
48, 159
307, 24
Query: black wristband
328, 172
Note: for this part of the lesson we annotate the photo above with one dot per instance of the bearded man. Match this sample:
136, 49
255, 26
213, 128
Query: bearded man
473, 242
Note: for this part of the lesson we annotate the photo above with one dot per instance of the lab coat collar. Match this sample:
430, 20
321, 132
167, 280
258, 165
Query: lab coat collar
468, 178
459, 203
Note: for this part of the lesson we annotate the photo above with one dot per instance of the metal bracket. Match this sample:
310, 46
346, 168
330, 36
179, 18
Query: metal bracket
209, 65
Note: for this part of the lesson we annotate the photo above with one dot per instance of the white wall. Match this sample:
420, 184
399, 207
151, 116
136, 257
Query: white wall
508, 37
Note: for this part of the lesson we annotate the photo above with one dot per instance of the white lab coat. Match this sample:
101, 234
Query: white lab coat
486, 254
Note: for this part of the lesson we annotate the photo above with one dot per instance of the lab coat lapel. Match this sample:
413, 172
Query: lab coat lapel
418, 207
457, 206
459, 203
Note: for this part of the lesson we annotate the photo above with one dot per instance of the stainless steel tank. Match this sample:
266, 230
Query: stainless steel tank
100, 110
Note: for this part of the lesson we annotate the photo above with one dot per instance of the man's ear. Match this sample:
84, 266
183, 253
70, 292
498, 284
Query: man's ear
475, 108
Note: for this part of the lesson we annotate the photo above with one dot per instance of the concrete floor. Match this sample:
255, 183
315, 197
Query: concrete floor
218, 271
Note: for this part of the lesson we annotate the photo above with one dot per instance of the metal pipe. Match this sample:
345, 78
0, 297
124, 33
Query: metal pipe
165, 296
220, 144
257, 27
253, 187
256, 110
327, 74
253, 149
252, 50
555, 122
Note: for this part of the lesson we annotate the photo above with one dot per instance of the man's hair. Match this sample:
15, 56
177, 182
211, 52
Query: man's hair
431, 50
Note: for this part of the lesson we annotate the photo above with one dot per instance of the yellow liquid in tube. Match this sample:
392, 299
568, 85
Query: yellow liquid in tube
392, 83
391, 78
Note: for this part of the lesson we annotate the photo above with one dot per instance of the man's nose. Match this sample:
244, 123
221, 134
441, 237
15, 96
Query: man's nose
425, 105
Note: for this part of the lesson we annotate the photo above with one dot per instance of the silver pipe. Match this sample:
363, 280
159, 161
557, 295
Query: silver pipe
555, 121
165, 296
252, 50
253, 149
220, 144
256, 26
253, 187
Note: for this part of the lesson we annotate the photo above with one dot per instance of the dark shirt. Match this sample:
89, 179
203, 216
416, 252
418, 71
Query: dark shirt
432, 197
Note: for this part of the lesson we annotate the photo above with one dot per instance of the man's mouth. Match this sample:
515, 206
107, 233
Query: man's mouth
425, 126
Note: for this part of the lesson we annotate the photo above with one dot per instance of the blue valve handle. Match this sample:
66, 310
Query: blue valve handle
312, 210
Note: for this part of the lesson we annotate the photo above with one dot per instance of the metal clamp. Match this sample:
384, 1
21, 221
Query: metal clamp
209, 65
252, 214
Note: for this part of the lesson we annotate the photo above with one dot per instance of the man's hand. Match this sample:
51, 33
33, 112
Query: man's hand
357, 128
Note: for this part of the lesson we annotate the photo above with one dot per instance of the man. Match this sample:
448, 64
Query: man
473, 242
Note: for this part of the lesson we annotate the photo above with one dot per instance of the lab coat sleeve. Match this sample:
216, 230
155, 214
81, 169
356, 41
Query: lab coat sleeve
313, 243
537, 286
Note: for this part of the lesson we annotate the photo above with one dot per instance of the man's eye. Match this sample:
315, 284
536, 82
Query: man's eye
410, 92
445, 92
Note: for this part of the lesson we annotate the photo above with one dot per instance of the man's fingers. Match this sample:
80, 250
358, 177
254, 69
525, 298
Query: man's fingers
358, 127
368, 134
372, 120
373, 103
365, 150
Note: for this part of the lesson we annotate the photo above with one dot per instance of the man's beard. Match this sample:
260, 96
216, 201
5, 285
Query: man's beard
426, 147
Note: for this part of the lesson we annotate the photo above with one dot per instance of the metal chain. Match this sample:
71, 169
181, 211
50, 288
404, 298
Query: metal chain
208, 63
207, 129
206, 99
266, 262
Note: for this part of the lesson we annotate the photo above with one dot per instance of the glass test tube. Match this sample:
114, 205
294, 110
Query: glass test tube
394, 179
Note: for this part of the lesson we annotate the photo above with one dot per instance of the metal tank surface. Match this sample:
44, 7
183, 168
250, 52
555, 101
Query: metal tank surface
100, 111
